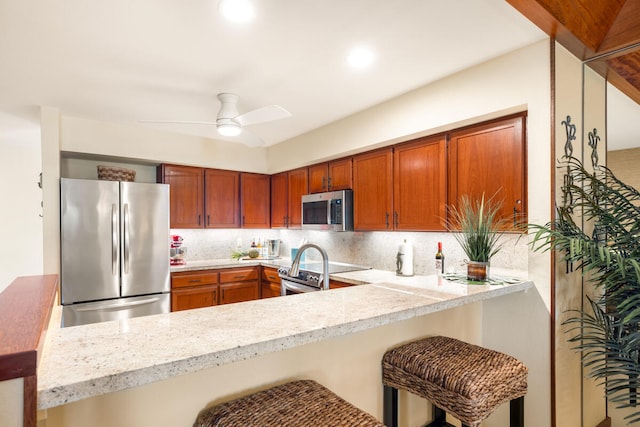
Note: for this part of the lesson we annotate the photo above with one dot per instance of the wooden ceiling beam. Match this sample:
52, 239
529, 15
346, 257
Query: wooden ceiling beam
591, 28
537, 13
625, 30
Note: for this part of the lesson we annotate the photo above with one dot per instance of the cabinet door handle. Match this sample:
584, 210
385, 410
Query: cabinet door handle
395, 219
238, 277
324, 182
195, 281
208, 219
515, 212
198, 219
329, 183
243, 222
386, 215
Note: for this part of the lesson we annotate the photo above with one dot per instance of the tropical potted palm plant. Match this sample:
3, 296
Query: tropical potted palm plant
608, 331
477, 229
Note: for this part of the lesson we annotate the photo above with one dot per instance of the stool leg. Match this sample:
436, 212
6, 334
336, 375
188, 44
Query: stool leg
439, 418
390, 406
516, 412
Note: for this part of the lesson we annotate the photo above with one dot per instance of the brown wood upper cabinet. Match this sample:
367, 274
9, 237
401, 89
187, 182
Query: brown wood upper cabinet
279, 200
373, 190
419, 185
490, 159
331, 176
255, 200
186, 194
297, 186
201, 198
221, 202
213, 198
287, 189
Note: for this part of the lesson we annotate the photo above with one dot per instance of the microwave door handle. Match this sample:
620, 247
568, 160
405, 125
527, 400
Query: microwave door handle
329, 212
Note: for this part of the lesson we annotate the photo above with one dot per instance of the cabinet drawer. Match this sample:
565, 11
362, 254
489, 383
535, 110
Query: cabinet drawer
189, 298
193, 278
239, 275
270, 274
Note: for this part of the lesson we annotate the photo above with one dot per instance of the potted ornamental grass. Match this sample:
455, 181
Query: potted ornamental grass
606, 330
477, 227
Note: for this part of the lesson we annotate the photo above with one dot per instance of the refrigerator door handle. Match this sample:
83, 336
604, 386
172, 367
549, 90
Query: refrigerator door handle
114, 239
125, 220
119, 305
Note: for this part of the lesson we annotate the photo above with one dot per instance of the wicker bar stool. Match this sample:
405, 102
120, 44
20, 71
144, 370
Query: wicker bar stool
467, 381
294, 404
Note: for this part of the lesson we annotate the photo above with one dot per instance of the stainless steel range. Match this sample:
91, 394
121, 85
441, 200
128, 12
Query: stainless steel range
310, 276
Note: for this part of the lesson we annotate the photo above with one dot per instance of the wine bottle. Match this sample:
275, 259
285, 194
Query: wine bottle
439, 260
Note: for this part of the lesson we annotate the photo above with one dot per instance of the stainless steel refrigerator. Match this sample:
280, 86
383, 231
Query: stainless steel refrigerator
114, 250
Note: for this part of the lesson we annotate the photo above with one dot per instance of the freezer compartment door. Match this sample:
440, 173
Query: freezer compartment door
144, 217
116, 309
89, 243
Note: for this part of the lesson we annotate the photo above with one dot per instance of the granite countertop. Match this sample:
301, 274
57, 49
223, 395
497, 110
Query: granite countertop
367, 275
90, 360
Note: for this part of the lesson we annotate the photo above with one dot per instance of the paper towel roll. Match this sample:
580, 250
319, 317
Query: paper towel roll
404, 259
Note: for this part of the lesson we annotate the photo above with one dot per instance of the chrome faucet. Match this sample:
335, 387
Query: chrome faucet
295, 265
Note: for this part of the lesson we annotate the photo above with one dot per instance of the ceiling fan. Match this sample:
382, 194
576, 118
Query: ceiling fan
230, 123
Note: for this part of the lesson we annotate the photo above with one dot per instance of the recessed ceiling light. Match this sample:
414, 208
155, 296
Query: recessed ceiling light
236, 10
360, 57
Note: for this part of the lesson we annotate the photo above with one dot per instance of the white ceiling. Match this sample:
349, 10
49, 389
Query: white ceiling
132, 60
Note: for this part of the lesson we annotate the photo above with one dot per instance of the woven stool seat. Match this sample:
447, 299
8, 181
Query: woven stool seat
298, 403
465, 380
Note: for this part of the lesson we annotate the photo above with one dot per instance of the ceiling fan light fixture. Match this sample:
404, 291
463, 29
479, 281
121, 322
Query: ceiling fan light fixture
228, 129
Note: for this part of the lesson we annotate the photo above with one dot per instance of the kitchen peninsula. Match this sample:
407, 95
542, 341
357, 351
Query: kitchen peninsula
191, 358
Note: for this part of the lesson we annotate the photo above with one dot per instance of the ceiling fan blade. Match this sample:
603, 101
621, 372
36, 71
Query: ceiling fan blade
179, 122
250, 139
263, 114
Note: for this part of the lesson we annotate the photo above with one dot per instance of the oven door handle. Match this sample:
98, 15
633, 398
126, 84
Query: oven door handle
295, 287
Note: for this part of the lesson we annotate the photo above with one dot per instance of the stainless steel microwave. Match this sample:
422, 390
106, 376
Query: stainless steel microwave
332, 210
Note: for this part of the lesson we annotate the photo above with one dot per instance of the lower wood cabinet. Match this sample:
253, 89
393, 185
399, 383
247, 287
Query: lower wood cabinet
270, 282
206, 288
198, 297
239, 284
334, 284
194, 289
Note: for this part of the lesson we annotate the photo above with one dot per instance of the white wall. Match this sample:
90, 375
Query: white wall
136, 142
20, 221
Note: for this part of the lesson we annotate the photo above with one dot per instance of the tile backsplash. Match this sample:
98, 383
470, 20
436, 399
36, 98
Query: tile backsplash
373, 249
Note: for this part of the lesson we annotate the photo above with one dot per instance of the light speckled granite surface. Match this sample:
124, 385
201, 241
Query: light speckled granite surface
91, 360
